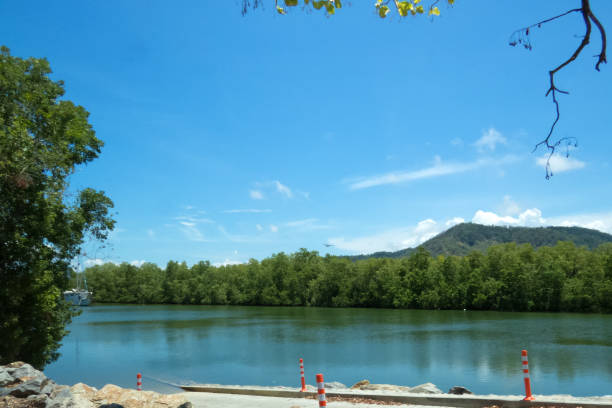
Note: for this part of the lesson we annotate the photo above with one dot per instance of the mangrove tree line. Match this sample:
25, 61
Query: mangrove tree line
507, 277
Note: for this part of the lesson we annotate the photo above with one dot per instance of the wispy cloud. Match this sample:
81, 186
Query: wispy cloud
559, 163
283, 189
276, 187
193, 220
256, 194
489, 140
273, 228
233, 237
247, 210
438, 169
308, 224
259, 227
191, 231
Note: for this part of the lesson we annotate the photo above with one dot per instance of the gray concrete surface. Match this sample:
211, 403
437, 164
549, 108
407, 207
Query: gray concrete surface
292, 397
216, 400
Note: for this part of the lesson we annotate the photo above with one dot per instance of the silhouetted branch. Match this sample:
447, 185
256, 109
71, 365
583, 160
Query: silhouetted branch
587, 17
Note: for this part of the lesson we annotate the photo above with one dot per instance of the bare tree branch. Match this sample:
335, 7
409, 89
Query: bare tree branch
587, 17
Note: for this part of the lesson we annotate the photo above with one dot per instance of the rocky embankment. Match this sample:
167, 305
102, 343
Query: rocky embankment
22, 386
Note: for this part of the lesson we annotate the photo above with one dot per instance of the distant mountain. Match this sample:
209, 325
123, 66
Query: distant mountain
464, 238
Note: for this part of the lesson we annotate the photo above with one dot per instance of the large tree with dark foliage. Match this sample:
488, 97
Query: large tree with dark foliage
43, 138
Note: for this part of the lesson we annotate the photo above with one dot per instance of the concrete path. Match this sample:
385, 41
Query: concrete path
214, 400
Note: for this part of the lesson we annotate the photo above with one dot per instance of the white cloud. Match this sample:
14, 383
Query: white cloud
533, 218
283, 189
256, 194
193, 220
489, 140
413, 235
247, 210
454, 221
559, 164
259, 227
598, 221
509, 207
273, 228
390, 240
227, 262
528, 218
97, 261
438, 169
137, 263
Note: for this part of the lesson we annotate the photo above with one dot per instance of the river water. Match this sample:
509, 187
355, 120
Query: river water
568, 353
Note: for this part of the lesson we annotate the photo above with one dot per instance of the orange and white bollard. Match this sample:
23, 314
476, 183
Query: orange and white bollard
528, 396
321, 391
139, 382
302, 375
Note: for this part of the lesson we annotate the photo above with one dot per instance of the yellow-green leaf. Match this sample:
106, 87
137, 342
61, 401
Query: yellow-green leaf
280, 10
291, 3
434, 11
382, 11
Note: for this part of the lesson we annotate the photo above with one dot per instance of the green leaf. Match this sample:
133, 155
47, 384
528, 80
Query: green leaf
382, 11
291, 3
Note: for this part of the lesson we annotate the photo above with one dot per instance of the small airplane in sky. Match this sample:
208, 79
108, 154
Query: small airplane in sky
329, 245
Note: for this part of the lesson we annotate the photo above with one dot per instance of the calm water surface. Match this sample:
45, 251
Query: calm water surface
568, 353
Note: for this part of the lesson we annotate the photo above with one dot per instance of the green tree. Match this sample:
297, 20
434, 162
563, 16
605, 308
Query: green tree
43, 138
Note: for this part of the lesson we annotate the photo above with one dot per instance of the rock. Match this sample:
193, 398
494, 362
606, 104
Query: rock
334, 385
37, 401
457, 390
22, 386
26, 386
427, 388
127, 398
359, 384
5, 377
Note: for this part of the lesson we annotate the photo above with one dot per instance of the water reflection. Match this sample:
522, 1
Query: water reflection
260, 345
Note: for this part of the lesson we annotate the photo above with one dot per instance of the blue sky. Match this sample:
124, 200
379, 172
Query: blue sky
230, 137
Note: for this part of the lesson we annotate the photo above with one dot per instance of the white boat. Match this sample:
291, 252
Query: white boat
78, 296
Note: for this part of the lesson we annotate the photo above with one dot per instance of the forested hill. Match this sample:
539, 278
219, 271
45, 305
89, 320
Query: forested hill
463, 238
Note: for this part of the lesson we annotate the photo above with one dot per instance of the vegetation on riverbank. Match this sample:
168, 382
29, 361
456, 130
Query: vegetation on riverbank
508, 277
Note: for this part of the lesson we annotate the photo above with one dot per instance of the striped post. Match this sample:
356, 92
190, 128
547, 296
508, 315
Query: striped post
528, 396
139, 382
321, 391
302, 375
